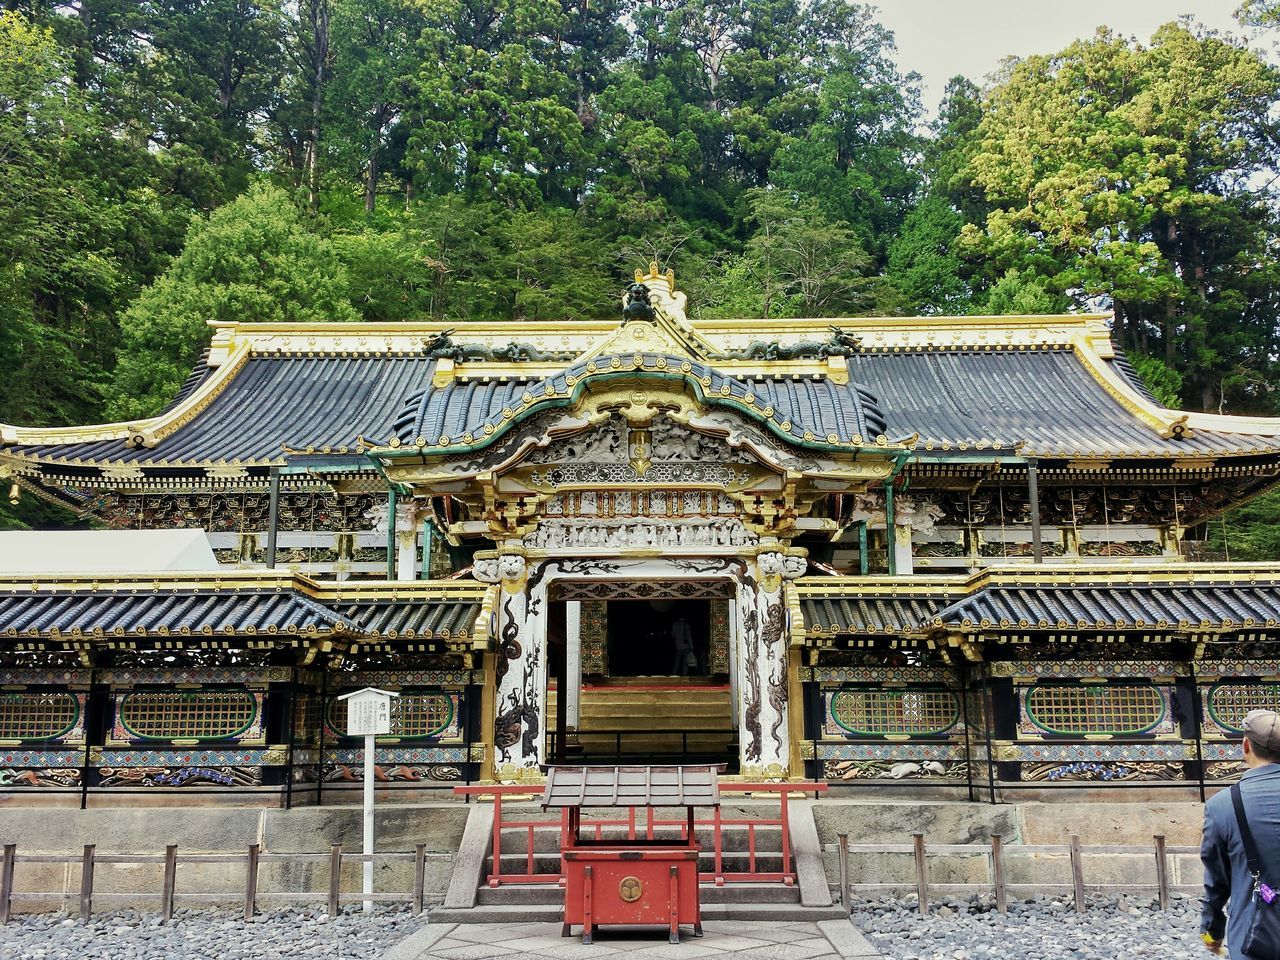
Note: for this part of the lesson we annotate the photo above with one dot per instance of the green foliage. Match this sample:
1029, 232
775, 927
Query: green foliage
1164, 382
251, 260
802, 263
1125, 173
925, 266
34, 513
1021, 293
1259, 13
61, 233
1247, 532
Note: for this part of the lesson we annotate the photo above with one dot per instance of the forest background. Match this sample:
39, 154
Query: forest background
168, 162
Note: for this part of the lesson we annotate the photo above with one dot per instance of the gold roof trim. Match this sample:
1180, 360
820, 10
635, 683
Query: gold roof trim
580, 336
1084, 573
1087, 335
250, 580
138, 433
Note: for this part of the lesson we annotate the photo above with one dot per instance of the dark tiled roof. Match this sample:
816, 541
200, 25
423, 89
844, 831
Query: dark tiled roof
870, 613
1125, 368
818, 407
1129, 607
1043, 397
409, 619
185, 611
277, 402
632, 787
162, 612
199, 374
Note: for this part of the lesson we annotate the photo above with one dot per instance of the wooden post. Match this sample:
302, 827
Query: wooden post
842, 840
997, 872
251, 882
170, 881
273, 517
674, 904
1077, 873
1033, 498
1162, 872
890, 535
588, 914
86, 883
922, 875
6, 881
419, 876
335, 879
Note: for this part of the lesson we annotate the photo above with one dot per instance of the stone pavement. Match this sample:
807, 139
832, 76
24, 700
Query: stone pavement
821, 940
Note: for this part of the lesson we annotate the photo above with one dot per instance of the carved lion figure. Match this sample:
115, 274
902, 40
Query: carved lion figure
511, 567
771, 564
636, 303
485, 569
794, 566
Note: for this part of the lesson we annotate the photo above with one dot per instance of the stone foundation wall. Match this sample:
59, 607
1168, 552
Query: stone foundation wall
1023, 826
225, 830
439, 825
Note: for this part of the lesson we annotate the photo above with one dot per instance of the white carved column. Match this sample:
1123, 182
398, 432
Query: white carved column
912, 517
902, 547
519, 733
573, 666
763, 732
407, 525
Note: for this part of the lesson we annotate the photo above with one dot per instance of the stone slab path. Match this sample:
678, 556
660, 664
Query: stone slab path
823, 940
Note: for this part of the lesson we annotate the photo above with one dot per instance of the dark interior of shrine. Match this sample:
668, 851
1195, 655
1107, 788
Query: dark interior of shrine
659, 638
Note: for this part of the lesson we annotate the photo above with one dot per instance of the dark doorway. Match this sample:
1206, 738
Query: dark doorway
659, 638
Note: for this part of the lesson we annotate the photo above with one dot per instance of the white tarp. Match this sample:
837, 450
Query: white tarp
104, 551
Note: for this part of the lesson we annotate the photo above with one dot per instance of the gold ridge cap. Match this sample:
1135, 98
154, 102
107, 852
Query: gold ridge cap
988, 322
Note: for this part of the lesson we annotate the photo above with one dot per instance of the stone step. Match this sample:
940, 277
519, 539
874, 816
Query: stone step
549, 913
527, 894
545, 894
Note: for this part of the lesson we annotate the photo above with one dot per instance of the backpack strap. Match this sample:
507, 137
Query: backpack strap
1246, 835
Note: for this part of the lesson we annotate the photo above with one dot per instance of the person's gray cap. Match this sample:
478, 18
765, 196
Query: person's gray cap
1263, 728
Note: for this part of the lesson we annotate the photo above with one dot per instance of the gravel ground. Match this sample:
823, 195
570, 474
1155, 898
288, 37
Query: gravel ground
207, 935
1046, 928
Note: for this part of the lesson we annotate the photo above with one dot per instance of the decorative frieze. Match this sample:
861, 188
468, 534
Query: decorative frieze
594, 504
613, 535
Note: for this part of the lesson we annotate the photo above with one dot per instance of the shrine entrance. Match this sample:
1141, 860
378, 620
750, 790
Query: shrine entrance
658, 638
645, 674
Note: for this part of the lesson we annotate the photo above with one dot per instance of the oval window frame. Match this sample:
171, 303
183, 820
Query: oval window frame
865, 734
1048, 731
447, 695
1235, 682
77, 710
255, 707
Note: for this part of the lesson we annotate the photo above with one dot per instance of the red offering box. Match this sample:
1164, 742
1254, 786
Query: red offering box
622, 885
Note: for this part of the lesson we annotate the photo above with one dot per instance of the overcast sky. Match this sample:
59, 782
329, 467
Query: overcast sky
940, 38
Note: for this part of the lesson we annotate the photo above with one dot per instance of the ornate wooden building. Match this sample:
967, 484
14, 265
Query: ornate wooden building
959, 551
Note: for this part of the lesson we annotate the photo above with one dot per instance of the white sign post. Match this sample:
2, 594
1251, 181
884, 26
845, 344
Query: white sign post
368, 716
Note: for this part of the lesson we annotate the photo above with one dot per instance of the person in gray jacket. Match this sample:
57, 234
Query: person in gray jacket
1227, 880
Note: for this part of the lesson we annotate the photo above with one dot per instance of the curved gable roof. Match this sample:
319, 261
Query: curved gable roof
1049, 387
801, 410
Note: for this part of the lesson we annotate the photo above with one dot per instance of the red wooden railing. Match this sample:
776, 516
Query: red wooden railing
596, 827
